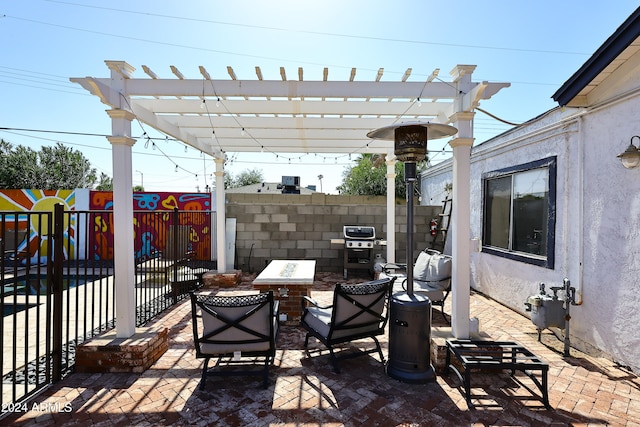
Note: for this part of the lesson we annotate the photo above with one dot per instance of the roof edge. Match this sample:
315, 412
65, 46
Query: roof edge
610, 49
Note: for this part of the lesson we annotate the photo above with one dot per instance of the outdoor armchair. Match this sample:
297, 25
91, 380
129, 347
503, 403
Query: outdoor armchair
358, 311
431, 276
241, 330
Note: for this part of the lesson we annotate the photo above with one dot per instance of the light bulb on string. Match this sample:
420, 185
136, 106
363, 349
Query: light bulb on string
153, 145
176, 168
203, 104
185, 148
419, 103
218, 102
243, 132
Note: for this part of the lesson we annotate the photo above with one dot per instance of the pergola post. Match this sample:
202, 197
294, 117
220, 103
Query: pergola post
460, 226
121, 143
391, 209
124, 268
221, 217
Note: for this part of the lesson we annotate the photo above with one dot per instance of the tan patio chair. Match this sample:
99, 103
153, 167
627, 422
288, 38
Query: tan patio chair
431, 277
358, 311
241, 330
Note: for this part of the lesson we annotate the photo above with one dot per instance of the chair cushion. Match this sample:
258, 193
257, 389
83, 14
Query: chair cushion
319, 319
432, 267
232, 337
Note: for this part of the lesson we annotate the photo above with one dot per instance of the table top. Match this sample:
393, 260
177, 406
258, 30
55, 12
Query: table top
287, 272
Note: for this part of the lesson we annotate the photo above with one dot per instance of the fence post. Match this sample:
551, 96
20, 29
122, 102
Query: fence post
56, 282
176, 244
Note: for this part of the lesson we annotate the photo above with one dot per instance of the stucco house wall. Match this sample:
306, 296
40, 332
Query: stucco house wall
597, 230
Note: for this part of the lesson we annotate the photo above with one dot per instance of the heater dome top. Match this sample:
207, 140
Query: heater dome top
434, 130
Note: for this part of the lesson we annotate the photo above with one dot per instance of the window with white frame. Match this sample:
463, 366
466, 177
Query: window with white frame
519, 212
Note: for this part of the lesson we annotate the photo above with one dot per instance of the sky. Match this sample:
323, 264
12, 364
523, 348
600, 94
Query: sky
534, 46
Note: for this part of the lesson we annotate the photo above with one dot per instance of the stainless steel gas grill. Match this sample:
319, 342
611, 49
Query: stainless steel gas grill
359, 241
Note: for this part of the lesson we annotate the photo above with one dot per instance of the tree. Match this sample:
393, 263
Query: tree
369, 177
51, 168
105, 183
246, 177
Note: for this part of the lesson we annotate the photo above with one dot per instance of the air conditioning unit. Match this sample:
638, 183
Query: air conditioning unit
290, 185
291, 181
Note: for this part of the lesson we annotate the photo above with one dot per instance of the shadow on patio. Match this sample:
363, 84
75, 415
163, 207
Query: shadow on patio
304, 390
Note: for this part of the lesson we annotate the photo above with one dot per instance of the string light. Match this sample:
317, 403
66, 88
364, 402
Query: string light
176, 168
243, 132
204, 104
218, 102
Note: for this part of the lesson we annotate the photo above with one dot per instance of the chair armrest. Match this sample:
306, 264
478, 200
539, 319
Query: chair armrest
311, 301
391, 266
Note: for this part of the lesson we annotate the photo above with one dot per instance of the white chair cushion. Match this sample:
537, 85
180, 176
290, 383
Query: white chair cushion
432, 267
258, 322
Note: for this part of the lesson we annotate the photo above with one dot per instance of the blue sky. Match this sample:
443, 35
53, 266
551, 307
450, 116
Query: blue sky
535, 46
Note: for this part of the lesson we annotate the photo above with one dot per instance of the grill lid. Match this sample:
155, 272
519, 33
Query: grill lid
359, 232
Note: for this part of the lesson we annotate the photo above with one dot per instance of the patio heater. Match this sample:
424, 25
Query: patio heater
410, 314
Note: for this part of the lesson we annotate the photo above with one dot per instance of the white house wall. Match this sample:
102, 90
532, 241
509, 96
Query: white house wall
597, 238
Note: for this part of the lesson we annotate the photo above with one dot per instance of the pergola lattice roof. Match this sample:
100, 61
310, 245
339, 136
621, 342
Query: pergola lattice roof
285, 116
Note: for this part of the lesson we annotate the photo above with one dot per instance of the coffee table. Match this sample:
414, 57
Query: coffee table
290, 280
485, 356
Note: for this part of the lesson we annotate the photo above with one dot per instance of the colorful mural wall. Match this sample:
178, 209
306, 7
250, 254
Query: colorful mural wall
153, 220
34, 229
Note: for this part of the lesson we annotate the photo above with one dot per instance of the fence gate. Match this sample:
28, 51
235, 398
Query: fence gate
58, 286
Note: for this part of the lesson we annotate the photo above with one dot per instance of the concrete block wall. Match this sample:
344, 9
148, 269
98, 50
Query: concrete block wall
293, 226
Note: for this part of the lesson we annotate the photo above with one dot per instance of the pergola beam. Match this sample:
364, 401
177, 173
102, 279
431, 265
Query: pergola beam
272, 107
285, 89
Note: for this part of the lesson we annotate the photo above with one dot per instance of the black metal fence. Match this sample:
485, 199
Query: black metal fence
57, 277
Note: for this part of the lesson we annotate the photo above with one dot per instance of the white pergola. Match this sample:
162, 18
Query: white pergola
220, 116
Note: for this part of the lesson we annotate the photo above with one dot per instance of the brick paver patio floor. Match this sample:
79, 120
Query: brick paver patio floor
304, 390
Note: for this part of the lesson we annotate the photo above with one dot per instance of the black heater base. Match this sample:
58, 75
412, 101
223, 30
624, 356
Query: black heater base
410, 339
